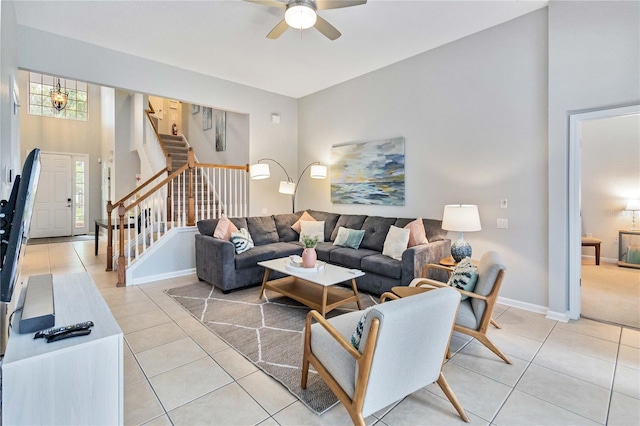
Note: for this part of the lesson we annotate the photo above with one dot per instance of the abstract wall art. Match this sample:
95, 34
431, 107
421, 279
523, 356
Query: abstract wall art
368, 173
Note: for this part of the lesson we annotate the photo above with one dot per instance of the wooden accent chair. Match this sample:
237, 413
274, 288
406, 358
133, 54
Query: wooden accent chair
403, 347
593, 242
474, 315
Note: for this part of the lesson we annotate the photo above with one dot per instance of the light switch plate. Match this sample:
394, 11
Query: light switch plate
503, 223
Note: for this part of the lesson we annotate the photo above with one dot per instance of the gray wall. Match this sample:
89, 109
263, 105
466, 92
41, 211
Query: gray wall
203, 141
50, 53
66, 136
126, 163
594, 62
610, 176
474, 117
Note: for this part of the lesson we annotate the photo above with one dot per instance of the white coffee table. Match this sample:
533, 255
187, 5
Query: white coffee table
312, 288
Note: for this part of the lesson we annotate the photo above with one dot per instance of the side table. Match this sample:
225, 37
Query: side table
633, 250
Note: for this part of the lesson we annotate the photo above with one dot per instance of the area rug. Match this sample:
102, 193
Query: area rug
268, 332
54, 240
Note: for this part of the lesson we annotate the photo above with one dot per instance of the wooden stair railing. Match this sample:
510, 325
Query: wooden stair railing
147, 213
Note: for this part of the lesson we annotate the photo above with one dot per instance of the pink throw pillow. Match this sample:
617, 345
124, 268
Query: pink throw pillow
305, 217
224, 228
417, 234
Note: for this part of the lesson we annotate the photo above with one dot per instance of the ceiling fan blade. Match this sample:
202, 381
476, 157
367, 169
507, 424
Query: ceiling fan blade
270, 3
328, 30
278, 30
336, 4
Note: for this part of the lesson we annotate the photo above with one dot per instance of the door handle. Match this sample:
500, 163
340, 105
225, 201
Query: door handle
69, 201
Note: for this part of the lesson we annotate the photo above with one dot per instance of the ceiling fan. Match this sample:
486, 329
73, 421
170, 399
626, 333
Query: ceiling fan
301, 14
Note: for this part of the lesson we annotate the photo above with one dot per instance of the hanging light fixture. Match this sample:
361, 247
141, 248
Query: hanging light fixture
59, 98
300, 14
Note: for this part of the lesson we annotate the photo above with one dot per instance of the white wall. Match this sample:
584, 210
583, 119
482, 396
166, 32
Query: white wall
610, 176
594, 62
473, 114
9, 123
107, 144
126, 162
67, 136
75, 59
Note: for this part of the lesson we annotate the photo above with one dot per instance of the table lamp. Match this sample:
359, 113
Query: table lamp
633, 205
461, 218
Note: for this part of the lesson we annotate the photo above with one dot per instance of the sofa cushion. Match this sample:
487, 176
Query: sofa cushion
330, 220
208, 226
305, 217
323, 250
239, 222
349, 237
382, 265
284, 249
263, 230
283, 226
350, 258
242, 241
376, 229
257, 254
352, 221
396, 242
433, 228
417, 233
312, 229
224, 229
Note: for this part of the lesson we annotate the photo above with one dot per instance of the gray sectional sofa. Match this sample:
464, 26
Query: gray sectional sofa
218, 264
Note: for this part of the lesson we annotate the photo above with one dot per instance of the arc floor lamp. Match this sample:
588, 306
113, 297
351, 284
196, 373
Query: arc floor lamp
260, 170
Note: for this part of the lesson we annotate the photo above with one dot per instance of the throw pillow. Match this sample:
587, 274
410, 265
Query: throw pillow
312, 229
349, 237
396, 242
464, 276
224, 228
242, 240
417, 234
356, 336
305, 217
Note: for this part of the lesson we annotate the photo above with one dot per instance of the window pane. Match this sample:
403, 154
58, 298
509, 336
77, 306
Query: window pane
34, 76
81, 96
49, 80
71, 115
35, 88
82, 116
72, 94
35, 100
46, 89
47, 112
81, 106
46, 101
34, 109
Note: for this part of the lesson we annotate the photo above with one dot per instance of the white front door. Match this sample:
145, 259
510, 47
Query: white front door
53, 207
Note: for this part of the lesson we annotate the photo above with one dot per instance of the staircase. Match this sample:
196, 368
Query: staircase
178, 148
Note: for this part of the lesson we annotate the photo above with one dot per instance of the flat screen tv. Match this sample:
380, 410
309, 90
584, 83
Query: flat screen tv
15, 221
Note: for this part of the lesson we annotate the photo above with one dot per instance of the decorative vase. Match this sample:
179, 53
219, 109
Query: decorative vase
309, 257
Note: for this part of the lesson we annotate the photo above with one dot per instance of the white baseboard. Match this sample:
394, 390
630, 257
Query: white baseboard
167, 275
558, 316
523, 305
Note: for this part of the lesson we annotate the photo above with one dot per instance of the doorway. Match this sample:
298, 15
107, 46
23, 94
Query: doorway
603, 217
61, 199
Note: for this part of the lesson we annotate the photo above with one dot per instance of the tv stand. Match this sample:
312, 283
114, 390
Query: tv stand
71, 381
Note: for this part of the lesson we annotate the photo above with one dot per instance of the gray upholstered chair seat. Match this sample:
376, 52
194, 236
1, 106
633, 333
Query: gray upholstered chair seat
466, 317
402, 350
323, 250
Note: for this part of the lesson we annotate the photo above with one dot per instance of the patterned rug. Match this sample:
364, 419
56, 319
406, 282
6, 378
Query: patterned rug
267, 332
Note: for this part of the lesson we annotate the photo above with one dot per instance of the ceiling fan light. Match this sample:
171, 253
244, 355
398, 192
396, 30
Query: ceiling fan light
300, 16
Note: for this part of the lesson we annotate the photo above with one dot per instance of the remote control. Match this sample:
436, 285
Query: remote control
73, 333
59, 330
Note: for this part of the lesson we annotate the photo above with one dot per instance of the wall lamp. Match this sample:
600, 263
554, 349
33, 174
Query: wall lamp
261, 170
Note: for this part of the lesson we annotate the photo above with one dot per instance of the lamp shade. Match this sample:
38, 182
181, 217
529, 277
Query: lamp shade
259, 171
318, 171
300, 16
461, 218
633, 204
287, 187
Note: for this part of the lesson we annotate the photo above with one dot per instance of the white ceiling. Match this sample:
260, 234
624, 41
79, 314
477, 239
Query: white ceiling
226, 39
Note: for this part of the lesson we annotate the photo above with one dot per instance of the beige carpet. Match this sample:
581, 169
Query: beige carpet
611, 293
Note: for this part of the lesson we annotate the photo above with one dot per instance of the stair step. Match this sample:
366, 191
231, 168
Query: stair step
171, 137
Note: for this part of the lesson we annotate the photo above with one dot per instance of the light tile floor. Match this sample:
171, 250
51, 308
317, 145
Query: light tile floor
177, 372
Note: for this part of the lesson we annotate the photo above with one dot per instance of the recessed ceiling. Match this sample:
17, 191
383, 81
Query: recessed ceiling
227, 39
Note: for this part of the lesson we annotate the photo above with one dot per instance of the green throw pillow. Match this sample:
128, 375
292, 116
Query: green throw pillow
349, 237
242, 240
464, 276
